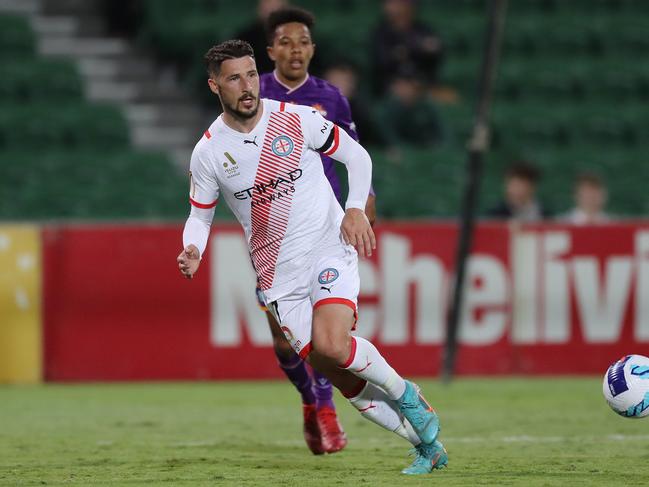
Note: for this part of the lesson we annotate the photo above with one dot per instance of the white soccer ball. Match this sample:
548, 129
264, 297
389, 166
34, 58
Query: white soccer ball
626, 386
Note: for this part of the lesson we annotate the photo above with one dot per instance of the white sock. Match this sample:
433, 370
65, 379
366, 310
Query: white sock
374, 404
366, 362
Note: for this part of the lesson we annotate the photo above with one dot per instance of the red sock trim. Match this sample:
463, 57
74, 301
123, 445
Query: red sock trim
356, 391
305, 351
352, 355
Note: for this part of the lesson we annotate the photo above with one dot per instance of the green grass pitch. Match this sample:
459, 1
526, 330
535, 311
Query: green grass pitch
527, 432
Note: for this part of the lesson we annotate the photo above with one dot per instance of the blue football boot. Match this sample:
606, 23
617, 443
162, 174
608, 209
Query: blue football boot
428, 457
419, 413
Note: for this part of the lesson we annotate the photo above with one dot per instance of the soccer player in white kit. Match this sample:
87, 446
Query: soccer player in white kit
303, 246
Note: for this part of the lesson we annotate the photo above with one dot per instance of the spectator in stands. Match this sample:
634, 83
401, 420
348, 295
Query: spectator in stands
520, 203
344, 76
408, 115
255, 33
590, 201
402, 42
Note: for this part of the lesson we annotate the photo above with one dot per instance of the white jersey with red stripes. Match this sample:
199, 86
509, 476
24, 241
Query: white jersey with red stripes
273, 181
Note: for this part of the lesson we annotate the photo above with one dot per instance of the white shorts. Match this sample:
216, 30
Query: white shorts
331, 280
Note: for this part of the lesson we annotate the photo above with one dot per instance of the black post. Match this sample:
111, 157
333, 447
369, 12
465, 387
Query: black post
477, 146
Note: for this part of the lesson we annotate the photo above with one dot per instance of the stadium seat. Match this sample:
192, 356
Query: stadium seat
30, 80
62, 125
90, 184
16, 37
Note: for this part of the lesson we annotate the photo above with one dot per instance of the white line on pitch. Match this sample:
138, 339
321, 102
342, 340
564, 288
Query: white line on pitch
450, 439
546, 439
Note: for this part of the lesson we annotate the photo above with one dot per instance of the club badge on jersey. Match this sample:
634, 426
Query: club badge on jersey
282, 145
328, 276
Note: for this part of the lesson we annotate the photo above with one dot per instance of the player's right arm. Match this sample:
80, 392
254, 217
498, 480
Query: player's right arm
203, 196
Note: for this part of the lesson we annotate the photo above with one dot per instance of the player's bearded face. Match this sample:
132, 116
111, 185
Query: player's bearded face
241, 105
238, 87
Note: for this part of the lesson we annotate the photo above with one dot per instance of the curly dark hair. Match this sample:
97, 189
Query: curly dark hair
287, 15
232, 49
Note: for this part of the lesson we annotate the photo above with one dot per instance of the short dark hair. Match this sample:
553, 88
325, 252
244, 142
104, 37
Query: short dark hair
287, 15
232, 49
590, 179
524, 170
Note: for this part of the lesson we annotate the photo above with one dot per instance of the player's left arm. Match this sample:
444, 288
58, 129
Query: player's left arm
355, 227
345, 121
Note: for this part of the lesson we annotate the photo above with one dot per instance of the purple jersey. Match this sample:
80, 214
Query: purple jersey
324, 97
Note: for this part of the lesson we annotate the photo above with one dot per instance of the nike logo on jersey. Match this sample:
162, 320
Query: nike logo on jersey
253, 141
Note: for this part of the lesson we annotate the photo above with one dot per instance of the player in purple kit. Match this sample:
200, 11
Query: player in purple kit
291, 48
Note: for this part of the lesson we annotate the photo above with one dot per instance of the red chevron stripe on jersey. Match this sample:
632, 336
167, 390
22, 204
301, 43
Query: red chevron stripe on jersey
270, 210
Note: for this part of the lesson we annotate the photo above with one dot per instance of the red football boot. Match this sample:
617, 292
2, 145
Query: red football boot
331, 432
311, 429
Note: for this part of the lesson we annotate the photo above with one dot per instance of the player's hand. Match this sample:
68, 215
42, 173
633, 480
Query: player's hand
357, 231
370, 209
188, 261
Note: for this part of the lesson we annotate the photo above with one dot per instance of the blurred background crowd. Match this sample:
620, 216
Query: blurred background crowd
104, 99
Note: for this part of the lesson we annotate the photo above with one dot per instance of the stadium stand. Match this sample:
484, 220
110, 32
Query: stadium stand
569, 95
63, 156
